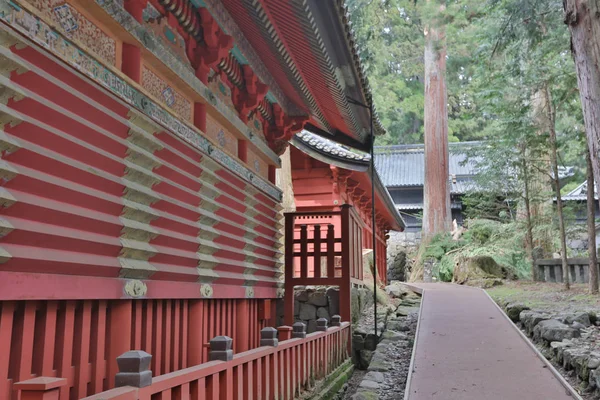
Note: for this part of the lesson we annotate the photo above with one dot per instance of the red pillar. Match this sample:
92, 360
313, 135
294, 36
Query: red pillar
241, 342
195, 326
345, 289
119, 335
132, 62
288, 300
243, 150
200, 116
135, 8
272, 174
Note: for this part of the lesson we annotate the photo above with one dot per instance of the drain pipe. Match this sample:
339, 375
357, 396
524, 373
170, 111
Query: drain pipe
373, 218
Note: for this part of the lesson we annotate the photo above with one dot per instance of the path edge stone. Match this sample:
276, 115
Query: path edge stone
411, 366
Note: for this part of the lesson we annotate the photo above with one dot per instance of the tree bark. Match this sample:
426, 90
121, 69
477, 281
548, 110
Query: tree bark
591, 225
559, 206
436, 191
583, 19
529, 236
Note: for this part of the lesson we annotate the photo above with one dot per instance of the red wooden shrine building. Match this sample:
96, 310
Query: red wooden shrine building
332, 225
140, 140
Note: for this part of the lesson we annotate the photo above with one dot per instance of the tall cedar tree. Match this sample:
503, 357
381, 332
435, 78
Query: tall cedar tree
591, 225
583, 19
436, 191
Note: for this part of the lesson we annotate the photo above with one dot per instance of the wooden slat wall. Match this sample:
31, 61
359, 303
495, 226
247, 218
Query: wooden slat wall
69, 338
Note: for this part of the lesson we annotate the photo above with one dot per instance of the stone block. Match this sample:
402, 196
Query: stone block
318, 298
220, 349
301, 296
333, 300
307, 312
134, 369
135, 379
268, 337
358, 342
134, 361
311, 326
552, 330
336, 320
513, 311
299, 330
371, 341
366, 384
322, 324
374, 376
322, 313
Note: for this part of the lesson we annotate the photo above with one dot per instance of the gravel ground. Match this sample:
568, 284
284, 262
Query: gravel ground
397, 355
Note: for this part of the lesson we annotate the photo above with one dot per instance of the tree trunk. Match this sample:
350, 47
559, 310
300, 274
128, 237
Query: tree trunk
591, 225
559, 206
583, 19
436, 191
529, 236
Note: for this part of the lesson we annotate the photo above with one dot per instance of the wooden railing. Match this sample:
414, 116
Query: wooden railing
323, 255
280, 369
550, 270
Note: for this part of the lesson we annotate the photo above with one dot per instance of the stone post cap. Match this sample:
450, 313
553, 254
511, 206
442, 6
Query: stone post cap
299, 327
336, 320
322, 324
268, 333
221, 343
134, 361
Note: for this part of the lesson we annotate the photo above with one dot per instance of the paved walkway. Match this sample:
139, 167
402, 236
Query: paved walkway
467, 349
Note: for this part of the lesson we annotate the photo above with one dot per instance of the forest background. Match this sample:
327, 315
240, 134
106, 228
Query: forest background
512, 83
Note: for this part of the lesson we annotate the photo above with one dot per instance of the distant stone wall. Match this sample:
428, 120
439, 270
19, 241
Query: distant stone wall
402, 241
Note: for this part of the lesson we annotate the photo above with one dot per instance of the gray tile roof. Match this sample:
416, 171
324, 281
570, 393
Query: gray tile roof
579, 193
332, 148
404, 165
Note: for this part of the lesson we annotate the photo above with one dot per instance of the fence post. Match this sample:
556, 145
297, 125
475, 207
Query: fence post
285, 332
299, 330
134, 369
336, 320
220, 349
322, 325
41, 388
268, 337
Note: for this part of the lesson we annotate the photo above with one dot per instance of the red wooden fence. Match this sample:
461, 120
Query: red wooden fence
75, 339
308, 246
269, 372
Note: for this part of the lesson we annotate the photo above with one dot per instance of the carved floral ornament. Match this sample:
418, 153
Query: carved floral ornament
206, 290
135, 288
207, 48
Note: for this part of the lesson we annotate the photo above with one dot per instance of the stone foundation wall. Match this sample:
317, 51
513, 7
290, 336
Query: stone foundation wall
314, 302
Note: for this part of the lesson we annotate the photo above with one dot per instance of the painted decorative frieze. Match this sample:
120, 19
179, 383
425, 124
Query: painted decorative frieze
167, 95
220, 89
114, 8
220, 135
51, 40
255, 125
77, 27
158, 24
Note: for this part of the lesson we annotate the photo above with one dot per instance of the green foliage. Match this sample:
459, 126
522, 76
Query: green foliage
501, 241
439, 245
390, 36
